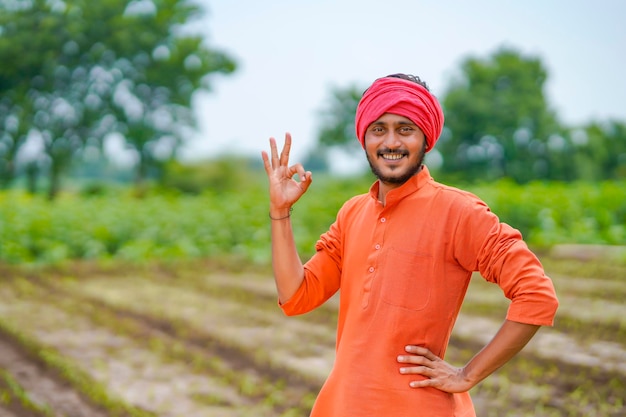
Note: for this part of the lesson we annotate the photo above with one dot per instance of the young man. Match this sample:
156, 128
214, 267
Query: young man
403, 256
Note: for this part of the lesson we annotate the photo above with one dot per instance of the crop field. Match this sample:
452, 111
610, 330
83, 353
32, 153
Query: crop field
197, 340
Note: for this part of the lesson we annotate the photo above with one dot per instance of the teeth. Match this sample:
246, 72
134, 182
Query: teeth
393, 156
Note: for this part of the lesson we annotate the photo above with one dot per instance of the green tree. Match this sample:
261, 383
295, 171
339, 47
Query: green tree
498, 124
337, 119
498, 120
74, 71
336, 126
599, 150
12, 136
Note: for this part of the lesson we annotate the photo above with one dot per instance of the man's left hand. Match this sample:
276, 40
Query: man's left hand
439, 374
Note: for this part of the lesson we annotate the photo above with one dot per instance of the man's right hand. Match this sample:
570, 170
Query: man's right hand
284, 189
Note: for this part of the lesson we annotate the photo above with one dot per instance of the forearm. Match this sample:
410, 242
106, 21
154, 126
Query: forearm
286, 263
284, 191
510, 339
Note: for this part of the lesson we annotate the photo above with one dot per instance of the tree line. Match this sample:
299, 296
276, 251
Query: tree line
499, 124
77, 72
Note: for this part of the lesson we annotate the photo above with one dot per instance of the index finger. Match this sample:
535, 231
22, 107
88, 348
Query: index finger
266, 162
421, 351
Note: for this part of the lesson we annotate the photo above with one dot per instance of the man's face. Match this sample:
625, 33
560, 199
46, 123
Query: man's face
395, 148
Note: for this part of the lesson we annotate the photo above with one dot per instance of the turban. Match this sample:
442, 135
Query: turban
404, 98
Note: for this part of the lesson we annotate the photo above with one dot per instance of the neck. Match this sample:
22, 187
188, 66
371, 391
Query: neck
385, 187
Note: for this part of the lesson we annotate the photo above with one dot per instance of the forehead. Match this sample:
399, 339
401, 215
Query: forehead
392, 119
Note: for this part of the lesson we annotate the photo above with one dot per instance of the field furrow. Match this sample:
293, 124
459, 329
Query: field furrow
139, 375
262, 333
42, 387
197, 343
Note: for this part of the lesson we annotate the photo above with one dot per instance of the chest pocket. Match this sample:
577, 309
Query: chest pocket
406, 279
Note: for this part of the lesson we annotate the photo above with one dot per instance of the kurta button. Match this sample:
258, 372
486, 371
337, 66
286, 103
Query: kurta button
377, 247
383, 220
371, 269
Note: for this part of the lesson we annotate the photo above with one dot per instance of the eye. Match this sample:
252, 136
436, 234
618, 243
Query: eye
405, 130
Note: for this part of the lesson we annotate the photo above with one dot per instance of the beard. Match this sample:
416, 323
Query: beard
402, 176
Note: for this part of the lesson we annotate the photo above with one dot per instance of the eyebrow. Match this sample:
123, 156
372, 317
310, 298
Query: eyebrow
399, 123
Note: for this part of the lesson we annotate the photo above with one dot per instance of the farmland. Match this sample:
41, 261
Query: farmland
165, 306
197, 340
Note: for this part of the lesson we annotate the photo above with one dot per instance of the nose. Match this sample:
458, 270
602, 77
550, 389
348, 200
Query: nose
392, 140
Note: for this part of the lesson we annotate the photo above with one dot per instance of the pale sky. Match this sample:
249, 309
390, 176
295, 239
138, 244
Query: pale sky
291, 52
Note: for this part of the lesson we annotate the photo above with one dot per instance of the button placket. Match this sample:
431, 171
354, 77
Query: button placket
374, 258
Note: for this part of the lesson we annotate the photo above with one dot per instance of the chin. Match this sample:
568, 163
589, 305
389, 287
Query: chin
398, 175
394, 177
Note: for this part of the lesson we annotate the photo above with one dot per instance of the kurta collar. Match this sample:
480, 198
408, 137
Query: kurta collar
416, 182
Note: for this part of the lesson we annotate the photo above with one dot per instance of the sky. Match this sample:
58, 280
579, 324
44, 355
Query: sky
290, 54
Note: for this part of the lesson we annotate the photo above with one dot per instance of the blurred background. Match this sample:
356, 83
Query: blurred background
293, 57
134, 238
531, 91
181, 96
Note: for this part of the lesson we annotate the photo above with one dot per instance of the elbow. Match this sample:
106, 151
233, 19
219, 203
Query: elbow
550, 307
554, 305
536, 311
289, 308
289, 311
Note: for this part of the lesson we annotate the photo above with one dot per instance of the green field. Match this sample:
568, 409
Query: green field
233, 223
165, 306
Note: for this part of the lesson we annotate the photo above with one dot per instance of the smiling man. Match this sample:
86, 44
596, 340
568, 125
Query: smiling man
403, 255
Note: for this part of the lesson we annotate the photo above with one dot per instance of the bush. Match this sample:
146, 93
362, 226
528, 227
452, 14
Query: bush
221, 222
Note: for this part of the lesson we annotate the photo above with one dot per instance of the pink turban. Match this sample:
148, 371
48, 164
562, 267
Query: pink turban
404, 98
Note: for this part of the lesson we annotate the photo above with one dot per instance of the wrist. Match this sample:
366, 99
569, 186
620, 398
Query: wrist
280, 214
469, 378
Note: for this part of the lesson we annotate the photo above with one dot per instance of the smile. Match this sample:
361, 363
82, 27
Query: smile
392, 156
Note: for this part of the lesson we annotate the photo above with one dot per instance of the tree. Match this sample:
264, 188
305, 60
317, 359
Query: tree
498, 124
77, 70
337, 119
599, 150
498, 120
336, 132
12, 136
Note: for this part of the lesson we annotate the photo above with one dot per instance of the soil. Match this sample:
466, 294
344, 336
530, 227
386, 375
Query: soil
42, 384
172, 344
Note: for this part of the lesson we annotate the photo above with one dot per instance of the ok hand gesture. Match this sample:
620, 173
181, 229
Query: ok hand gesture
284, 189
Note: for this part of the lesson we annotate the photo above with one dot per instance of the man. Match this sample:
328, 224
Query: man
403, 255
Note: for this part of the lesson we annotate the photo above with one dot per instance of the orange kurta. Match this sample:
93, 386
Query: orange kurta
403, 270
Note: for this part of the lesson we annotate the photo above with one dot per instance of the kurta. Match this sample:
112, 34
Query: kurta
403, 270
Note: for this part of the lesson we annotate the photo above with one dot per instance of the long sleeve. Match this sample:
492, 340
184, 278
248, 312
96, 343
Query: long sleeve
502, 257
